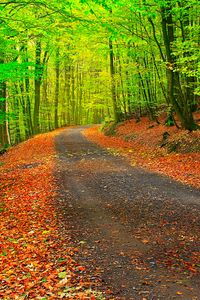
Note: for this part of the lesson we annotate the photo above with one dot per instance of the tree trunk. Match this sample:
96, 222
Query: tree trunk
57, 88
113, 87
38, 78
3, 130
175, 93
7, 125
28, 99
67, 94
16, 107
24, 111
73, 94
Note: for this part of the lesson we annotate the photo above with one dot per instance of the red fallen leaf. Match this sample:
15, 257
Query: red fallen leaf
164, 222
81, 268
109, 292
31, 243
192, 269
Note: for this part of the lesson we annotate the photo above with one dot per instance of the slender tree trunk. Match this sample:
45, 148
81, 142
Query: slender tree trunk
67, 94
122, 86
28, 98
73, 94
24, 111
128, 84
16, 106
80, 97
3, 129
57, 88
77, 85
113, 86
7, 125
38, 78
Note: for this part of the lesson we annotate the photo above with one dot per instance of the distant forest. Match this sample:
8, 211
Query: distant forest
80, 62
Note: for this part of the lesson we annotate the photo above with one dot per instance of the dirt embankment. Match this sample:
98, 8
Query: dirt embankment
163, 149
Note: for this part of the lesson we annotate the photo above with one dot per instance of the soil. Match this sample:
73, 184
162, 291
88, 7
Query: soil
137, 231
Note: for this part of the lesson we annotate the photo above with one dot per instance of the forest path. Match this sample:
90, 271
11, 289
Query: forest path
138, 231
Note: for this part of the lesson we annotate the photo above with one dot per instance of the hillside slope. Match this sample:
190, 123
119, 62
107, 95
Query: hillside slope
162, 149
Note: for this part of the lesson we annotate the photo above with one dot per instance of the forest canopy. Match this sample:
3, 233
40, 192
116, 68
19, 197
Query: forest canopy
81, 62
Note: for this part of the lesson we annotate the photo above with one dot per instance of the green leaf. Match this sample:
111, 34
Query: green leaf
14, 241
61, 259
62, 275
44, 279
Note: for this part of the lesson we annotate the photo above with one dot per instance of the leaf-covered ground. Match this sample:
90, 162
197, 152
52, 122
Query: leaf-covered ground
178, 156
36, 259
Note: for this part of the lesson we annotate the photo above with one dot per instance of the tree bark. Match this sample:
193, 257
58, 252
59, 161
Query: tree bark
3, 130
113, 86
67, 94
175, 93
57, 86
38, 78
28, 99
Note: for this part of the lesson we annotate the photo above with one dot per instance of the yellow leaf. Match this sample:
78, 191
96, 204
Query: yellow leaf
179, 293
145, 241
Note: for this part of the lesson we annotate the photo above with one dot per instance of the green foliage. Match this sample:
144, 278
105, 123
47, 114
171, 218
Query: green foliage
81, 30
14, 71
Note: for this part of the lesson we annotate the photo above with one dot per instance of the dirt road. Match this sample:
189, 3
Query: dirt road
138, 232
